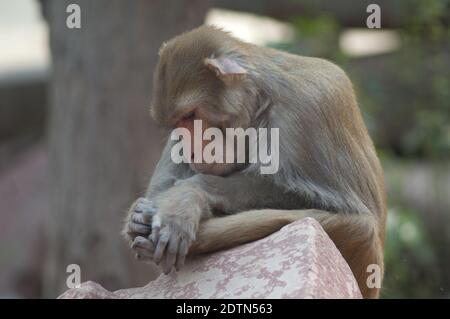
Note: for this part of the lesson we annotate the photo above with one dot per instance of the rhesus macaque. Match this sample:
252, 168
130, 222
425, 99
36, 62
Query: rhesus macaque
328, 166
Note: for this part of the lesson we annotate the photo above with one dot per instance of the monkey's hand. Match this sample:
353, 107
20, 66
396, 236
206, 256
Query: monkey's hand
173, 227
139, 219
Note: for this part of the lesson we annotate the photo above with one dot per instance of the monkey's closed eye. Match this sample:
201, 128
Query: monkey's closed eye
189, 116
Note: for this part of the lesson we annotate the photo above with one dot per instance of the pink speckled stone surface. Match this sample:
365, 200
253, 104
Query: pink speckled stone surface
299, 261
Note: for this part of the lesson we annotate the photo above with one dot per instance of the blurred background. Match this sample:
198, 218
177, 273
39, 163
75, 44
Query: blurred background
77, 145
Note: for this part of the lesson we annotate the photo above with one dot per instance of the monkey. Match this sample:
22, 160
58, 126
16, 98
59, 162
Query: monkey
329, 169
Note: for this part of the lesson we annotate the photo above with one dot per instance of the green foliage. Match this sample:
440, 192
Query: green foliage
317, 36
426, 19
408, 100
409, 258
416, 249
415, 84
422, 68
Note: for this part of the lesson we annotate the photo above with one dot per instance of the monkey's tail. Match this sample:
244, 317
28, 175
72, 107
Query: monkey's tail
226, 232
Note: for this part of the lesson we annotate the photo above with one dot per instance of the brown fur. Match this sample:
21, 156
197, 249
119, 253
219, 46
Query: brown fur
328, 165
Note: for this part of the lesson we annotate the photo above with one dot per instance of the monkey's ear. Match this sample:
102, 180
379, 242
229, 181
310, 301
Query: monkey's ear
226, 69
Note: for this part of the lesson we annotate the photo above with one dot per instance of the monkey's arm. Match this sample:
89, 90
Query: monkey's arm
241, 192
139, 216
356, 236
166, 173
172, 217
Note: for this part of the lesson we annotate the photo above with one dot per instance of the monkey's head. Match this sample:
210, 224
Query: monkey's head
203, 75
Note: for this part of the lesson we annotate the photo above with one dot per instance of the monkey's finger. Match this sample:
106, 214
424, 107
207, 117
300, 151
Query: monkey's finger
140, 218
143, 253
171, 253
182, 252
140, 204
150, 210
161, 246
156, 228
135, 228
144, 249
143, 243
145, 208
144, 259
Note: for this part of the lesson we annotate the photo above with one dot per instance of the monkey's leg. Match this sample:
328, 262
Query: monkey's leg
356, 236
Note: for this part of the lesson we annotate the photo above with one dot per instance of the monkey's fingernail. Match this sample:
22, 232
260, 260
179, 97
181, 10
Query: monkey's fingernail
167, 271
139, 208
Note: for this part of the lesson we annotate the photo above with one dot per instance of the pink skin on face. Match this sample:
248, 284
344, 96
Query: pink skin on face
187, 122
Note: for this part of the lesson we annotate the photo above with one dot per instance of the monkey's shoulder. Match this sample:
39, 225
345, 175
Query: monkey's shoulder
305, 66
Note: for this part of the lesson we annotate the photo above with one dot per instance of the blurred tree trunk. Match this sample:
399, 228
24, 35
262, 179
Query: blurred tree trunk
102, 144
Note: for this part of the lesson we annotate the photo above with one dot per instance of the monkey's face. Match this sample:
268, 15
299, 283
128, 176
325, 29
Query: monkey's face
205, 135
194, 82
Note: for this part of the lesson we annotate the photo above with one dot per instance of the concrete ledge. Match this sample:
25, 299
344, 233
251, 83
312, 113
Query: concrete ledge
299, 261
